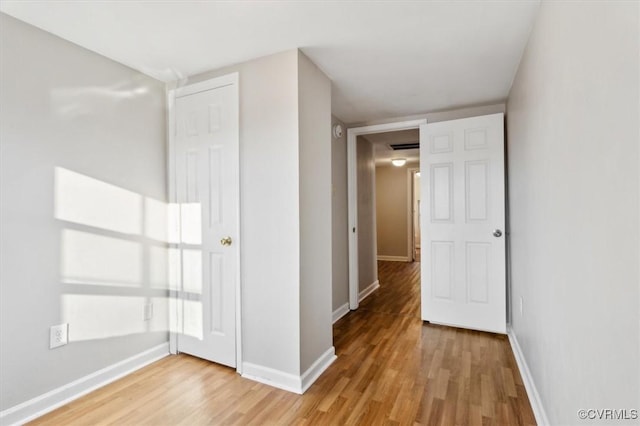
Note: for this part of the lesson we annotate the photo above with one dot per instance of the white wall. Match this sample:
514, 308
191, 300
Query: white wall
82, 182
393, 210
314, 102
339, 219
573, 133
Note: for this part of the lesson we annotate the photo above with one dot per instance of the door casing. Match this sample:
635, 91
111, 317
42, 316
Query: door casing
352, 194
411, 226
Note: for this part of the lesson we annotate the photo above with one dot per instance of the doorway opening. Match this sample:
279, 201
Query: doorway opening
365, 145
397, 174
462, 268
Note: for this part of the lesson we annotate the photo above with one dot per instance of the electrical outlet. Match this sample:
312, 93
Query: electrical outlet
148, 311
58, 335
521, 306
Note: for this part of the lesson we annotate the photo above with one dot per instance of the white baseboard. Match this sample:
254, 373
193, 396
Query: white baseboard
534, 397
317, 368
40, 405
394, 258
340, 312
272, 377
367, 291
287, 381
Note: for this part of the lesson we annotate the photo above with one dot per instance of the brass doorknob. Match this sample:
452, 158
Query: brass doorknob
226, 241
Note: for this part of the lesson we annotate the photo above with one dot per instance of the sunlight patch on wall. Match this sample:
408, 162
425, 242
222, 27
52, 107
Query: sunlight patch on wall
156, 219
173, 223
160, 320
87, 201
100, 317
159, 267
89, 258
113, 238
73, 103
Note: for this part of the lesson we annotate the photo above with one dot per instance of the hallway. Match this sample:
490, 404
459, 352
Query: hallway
391, 369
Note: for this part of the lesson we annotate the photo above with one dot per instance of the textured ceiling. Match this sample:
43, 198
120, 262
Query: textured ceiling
385, 58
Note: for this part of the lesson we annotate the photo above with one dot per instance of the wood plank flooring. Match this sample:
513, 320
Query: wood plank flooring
392, 369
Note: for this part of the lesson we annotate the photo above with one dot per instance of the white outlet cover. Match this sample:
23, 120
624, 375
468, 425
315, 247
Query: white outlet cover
58, 335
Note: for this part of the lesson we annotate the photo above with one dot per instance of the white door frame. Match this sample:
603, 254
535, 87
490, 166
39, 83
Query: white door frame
352, 194
189, 89
411, 226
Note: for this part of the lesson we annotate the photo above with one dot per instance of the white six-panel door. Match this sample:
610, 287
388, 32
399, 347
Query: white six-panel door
463, 241
206, 173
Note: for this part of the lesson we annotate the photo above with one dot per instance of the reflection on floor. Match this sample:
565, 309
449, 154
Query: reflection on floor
391, 369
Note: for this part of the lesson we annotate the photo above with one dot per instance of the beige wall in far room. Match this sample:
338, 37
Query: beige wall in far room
392, 204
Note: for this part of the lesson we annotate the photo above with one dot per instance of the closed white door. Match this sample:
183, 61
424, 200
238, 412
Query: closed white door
463, 244
206, 171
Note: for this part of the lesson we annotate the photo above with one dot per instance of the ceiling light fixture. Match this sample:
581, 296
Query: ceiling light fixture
399, 162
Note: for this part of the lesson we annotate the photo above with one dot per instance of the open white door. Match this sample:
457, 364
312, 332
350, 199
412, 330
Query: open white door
463, 248
206, 179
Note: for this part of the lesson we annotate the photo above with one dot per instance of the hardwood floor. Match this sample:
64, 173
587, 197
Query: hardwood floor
392, 369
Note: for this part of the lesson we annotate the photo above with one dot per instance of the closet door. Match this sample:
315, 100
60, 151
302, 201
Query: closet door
206, 173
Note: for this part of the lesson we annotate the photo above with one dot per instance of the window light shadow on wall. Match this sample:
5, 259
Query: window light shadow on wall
76, 102
119, 254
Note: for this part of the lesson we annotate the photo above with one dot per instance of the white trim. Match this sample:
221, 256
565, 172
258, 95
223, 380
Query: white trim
272, 377
235, 77
534, 397
172, 196
40, 405
374, 216
367, 291
213, 83
352, 197
352, 208
287, 381
340, 312
394, 258
317, 368
411, 226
